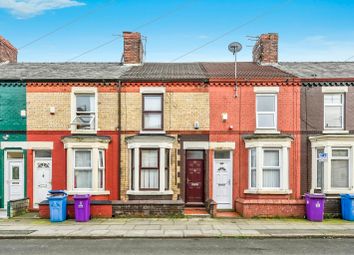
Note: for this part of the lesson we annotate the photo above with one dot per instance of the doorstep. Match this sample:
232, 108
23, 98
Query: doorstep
3, 213
196, 212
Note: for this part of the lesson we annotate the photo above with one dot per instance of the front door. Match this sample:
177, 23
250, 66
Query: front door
16, 179
195, 177
223, 179
42, 176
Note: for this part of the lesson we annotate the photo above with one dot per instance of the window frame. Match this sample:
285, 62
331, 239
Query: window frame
342, 105
251, 168
275, 113
77, 91
347, 158
82, 168
142, 168
161, 112
101, 168
167, 169
279, 167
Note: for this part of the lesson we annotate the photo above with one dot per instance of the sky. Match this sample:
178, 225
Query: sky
177, 30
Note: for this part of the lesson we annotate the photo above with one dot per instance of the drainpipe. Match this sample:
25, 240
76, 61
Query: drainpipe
119, 135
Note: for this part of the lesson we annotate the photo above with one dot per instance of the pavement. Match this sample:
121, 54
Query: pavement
174, 228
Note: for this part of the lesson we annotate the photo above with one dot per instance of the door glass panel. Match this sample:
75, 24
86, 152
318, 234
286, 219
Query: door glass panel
222, 154
15, 172
195, 155
43, 154
14, 154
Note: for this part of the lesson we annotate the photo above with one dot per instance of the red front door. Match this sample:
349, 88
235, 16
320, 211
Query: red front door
194, 180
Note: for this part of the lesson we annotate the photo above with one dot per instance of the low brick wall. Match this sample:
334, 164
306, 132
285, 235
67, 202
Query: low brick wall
148, 208
98, 209
250, 208
333, 206
18, 207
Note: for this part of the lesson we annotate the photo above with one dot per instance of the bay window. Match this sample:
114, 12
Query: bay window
332, 163
149, 164
268, 164
86, 164
333, 111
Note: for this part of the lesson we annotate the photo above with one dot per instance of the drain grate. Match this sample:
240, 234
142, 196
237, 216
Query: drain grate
16, 232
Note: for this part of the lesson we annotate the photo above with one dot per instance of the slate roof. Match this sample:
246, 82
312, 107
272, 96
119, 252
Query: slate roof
166, 72
62, 71
319, 69
245, 70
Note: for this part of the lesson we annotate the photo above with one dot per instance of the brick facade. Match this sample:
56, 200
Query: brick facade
265, 50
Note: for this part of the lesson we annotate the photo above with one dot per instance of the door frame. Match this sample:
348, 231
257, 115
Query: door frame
231, 178
34, 174
6, 174
186, 172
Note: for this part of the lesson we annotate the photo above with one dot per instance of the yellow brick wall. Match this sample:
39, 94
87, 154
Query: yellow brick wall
39, 117
181, 110
125, 169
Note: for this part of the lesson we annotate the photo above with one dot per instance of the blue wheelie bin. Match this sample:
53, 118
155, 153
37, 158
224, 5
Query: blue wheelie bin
347, 203
57, 205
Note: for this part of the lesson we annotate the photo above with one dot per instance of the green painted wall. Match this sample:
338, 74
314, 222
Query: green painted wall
12, 125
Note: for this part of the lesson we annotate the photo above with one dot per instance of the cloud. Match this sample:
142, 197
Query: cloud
23, 9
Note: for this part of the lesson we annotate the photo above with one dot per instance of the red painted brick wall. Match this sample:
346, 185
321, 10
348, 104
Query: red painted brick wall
242, 117
59, 162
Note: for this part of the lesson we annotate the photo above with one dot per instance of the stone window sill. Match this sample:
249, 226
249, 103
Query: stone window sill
266, 131
268, 192
82, 192
335, 131
149, 193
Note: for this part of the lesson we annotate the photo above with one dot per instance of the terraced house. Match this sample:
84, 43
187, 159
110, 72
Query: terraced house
327, 125
158, 139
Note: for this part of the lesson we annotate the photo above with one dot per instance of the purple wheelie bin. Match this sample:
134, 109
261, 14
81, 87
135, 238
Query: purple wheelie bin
315, 206
82, 208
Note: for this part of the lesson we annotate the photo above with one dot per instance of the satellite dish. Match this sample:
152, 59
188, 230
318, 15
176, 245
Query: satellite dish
235, 47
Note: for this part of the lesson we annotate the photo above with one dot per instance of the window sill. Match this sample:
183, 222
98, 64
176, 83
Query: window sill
266, 131
149, 193
142, 132
84, 131
269, 192
82, 192
338, 191
336, 131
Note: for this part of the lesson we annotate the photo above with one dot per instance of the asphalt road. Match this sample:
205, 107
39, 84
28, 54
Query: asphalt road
177, 246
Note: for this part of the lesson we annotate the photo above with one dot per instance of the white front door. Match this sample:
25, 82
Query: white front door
16, 179
42, 180
223, 179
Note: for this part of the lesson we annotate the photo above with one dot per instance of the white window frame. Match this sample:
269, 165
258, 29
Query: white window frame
275, 113
333, 105
328, 143
261, 145
95, 147
280, 166
102, 168
73, 125
75, 168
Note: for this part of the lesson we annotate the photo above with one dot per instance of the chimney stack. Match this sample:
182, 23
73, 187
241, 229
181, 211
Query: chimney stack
8, 53
133, 48
265, 51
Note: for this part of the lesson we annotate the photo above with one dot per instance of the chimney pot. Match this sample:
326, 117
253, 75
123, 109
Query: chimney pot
133, 48
8, 53
265, 51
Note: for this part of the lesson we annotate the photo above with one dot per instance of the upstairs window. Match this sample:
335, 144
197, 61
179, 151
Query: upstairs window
266, 111
152, 112
85, 112
333, 111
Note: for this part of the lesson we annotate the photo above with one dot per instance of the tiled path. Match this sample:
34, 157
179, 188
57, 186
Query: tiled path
186, 227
